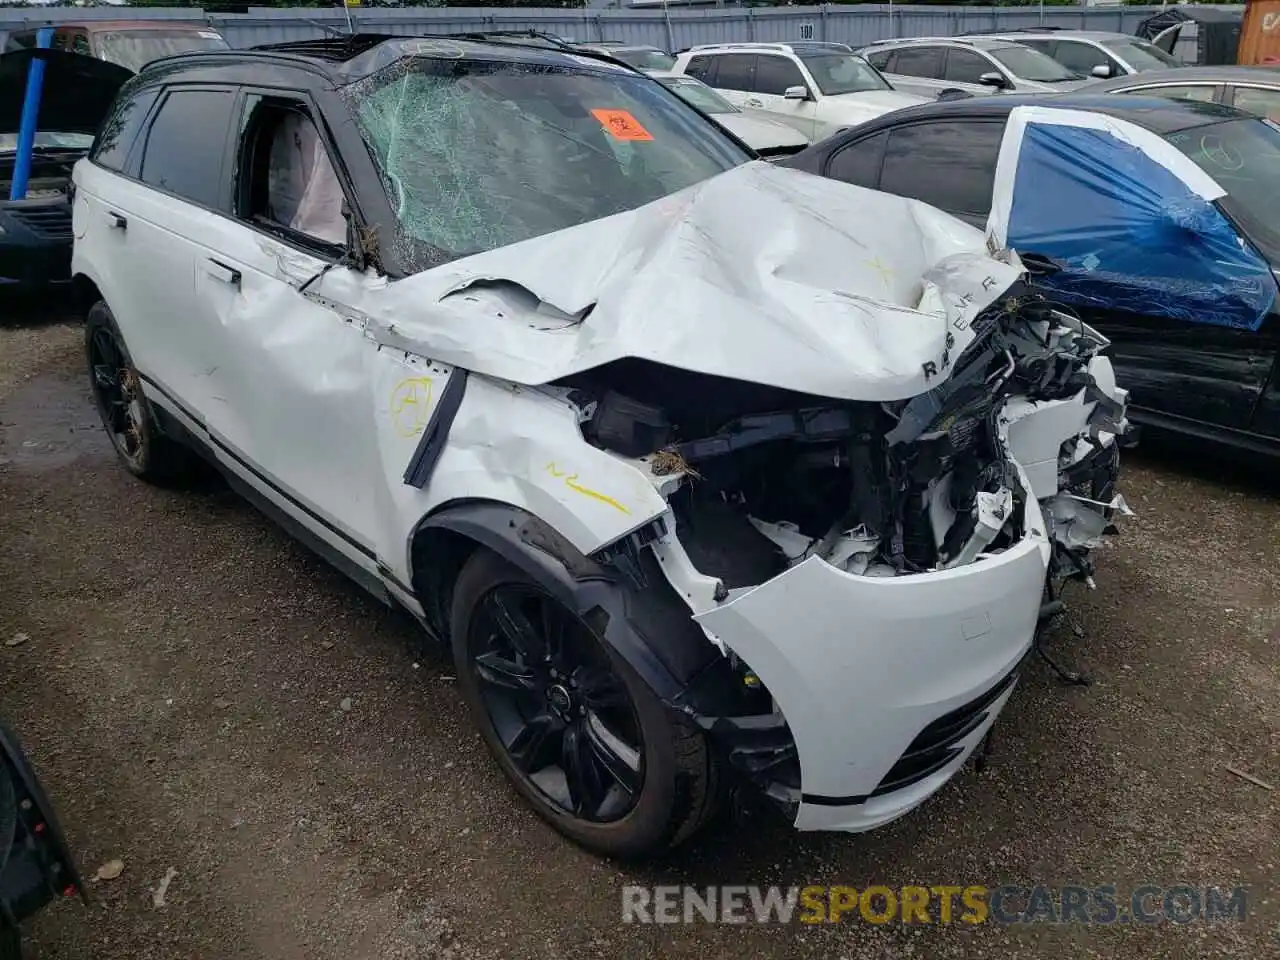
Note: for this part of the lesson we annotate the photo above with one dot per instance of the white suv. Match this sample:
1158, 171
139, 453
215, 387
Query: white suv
818, 88
498, 331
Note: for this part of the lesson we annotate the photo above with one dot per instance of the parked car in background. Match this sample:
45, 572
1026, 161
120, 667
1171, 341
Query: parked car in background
129, 43
930, 65
1091, 53
639, 55
35, 231
1253, 89
1168, 250
770, 138
817, 88
480, 283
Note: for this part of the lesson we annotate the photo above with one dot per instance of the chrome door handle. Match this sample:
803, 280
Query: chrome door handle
223, 273
753, 102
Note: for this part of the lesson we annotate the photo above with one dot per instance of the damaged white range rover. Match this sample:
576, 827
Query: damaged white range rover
711, 473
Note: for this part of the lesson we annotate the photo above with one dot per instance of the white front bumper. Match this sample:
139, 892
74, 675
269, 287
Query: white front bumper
861, 666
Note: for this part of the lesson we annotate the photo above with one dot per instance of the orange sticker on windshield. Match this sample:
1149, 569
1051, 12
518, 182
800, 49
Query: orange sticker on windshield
621, 124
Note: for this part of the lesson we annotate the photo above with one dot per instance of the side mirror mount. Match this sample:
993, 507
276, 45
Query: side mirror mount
359, 255
1101, 71
798, 92
994, 79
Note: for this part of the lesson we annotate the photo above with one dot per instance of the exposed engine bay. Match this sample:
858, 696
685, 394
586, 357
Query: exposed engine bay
874, 489
50, 173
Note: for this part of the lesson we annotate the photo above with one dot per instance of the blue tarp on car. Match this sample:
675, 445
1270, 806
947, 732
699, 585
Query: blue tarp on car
1129, 234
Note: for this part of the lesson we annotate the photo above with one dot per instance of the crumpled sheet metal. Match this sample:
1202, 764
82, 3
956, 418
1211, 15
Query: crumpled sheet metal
762, 274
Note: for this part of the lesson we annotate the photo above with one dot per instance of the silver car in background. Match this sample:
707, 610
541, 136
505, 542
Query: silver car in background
929, 65
1091, 53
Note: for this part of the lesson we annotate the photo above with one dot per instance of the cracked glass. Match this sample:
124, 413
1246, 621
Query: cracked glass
475, 155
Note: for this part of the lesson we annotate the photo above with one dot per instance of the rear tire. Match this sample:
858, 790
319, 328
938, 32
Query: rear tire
125, 412
668, 785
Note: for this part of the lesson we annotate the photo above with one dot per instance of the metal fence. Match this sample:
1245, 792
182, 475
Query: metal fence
671, 29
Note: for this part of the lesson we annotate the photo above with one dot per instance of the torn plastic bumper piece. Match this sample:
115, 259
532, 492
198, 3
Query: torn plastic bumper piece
887, 684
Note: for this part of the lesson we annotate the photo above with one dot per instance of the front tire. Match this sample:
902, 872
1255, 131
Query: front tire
126, 415
576, 731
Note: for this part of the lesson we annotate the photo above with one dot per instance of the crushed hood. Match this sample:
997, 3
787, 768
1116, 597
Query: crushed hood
77, 92
762, 274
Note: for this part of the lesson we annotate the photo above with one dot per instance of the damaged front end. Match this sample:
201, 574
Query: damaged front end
858, 461
873, 571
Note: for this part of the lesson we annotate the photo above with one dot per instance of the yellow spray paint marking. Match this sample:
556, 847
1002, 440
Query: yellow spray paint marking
411, 406
572, 483
880, 268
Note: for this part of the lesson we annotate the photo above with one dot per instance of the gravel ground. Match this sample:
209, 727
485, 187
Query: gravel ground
182, 694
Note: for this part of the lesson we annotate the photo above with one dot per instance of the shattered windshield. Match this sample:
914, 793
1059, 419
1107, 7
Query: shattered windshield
476, 155
1243, 157
134, 49
837, 73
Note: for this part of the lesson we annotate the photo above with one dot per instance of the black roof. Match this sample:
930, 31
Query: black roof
351, 57
1157, 114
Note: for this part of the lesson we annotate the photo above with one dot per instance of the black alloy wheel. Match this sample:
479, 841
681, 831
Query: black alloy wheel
116, 393
560, 711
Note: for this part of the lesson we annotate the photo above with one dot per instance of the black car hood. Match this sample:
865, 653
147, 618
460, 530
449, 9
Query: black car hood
78, 90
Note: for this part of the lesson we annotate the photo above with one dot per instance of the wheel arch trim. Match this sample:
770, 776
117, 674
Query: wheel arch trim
596, 592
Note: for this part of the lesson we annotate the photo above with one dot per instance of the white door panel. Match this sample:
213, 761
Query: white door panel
146, 268
290, 385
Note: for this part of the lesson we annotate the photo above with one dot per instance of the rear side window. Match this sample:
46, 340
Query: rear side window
120, 131
918, 62
736, 71
1265, 103
775, 74
965, 149
859, 163
1204, 92
185, 145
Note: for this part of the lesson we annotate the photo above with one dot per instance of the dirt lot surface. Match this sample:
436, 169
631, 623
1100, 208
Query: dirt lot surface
198, 692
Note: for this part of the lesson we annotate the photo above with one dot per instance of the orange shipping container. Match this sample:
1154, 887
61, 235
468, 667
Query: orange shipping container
1260, 34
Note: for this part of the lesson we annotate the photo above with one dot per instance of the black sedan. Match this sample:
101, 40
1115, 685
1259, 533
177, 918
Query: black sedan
1157, 221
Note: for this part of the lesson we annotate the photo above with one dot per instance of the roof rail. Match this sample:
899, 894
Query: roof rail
899, 40
746, 45
342, 47
1001, 33
506, 36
